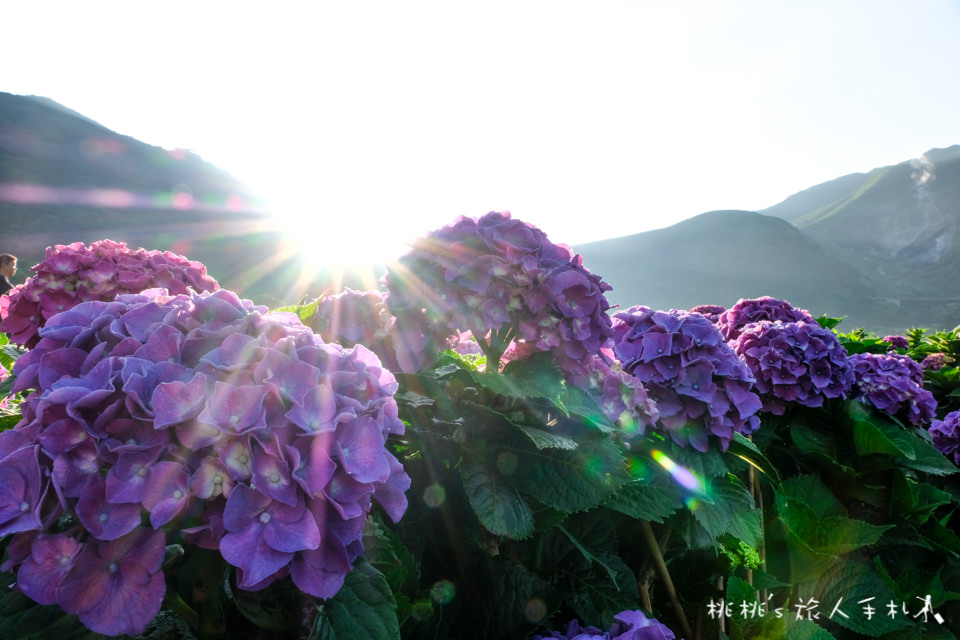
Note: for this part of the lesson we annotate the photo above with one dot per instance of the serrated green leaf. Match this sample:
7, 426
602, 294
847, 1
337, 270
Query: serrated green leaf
498, 506
604, 590
507, 610
810, 490
363, 609
850, 584
538, 375
650, 501
571, 481
544, 439
732, 511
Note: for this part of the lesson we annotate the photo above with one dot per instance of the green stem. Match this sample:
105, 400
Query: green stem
665, 576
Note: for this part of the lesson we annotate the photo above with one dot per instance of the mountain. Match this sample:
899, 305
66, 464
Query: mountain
721, 256
65, 178
881, 248
899, 226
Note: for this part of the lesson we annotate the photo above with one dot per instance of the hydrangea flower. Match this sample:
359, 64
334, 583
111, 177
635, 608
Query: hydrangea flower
700, 386
192, 418
897, 342
75, 273
946, 436
934, 361
628, 625
794, 362
502, 280
747, 311
892, 383
711, 311
621, 396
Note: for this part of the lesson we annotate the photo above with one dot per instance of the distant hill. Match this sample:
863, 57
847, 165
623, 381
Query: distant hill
899, 226
881, 248
65, 178
722, 256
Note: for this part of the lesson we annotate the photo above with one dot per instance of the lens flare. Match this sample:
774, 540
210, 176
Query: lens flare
686, 478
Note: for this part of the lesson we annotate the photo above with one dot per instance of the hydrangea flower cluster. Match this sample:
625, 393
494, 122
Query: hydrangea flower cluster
195, 418
946, 436
750, 310
502, 280
711, 311
894, 384
897, 342
621, 396
75, 273
628, 625
700, 386
934, 362
794, 362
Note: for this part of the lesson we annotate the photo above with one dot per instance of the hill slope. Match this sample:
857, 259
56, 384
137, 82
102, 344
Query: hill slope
722, 256
65, 178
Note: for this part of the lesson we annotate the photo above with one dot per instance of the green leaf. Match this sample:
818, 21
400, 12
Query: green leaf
517, 602
743, 448
538, 375
603, 590
869, 438
651, 501
571, 481
544, 439
498, 506
732, 511
23, 619
363, 609
305, 312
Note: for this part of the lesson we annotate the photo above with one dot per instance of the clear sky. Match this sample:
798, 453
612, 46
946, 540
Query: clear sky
369, 123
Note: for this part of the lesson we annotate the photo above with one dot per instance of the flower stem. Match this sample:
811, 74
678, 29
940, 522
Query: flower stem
665, 576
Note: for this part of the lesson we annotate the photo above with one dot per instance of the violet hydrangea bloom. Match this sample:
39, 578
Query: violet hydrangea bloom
946, 436
732, 321
500, 279
197, 418
700, 387
621, 396
711, 311
894, 384
794, 362
75, 273
628, 625
897, 342
934, 361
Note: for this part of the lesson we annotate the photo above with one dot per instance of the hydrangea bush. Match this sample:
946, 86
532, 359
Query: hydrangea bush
196, 418
192, 455
75, 273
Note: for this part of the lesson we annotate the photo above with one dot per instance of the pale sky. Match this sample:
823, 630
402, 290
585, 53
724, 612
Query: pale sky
372, 122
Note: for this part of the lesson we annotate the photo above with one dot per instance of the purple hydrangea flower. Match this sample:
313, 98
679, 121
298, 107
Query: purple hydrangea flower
71, 274
496, 277
747, 311
711, 311
700, 386
897, 342
894, 384
621, 396
154, 407
934, 361
628, 625
794, 362
946, 436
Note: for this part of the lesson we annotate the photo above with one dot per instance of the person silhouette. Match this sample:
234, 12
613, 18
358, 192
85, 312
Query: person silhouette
8, 267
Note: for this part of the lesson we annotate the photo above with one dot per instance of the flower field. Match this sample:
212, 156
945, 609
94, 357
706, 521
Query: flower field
480, 449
